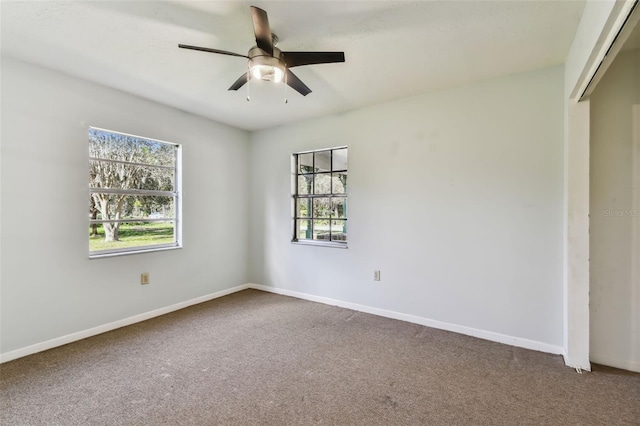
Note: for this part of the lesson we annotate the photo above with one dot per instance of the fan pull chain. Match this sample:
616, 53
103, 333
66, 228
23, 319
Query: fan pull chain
286, 101
248, 84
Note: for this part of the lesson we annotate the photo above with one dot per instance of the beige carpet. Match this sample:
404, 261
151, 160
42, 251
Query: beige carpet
259, 358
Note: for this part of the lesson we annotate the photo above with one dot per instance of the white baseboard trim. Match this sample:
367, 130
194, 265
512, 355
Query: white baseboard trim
615, 362
469, 331
73, 337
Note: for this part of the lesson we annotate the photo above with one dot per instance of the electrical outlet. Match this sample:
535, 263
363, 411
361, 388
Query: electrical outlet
376, 275
144, 278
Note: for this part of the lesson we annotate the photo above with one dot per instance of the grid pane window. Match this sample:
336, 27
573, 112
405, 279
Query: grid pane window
320, 196
134, 198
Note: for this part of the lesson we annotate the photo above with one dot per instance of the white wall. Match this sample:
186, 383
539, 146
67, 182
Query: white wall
456, 196
49, 287
615, 163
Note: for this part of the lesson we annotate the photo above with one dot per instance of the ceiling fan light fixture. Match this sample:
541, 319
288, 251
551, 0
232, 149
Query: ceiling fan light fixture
266, 68
267, 73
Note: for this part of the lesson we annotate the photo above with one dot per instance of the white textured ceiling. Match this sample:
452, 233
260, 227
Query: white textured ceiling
393, 49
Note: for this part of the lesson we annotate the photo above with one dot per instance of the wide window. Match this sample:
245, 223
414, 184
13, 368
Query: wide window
320, 197
134, 196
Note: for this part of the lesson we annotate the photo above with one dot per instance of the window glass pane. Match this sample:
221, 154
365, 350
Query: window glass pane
323, 183
322, 207
118, 206
320, 199
323, 161
303, 229
305, 163
339, 207
302, 207
340, 159
305, 183
104, 174
120, 147
321, 230
339, 230
109, 236
339, 182
139, 169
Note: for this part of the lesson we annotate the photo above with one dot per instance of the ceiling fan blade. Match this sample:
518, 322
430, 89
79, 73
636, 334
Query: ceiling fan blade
297, 84
296, 59
262, 30
206, 49
241, 81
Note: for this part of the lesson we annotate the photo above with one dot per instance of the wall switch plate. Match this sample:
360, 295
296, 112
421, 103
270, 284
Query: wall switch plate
376, 275
144, 278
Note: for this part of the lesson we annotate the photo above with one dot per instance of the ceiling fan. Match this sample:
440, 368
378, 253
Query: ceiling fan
267, 62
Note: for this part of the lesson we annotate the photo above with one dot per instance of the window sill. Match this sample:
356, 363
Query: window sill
127, 253
320, 244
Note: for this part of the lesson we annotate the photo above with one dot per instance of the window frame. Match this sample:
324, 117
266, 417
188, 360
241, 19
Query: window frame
295, 171
176, 194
